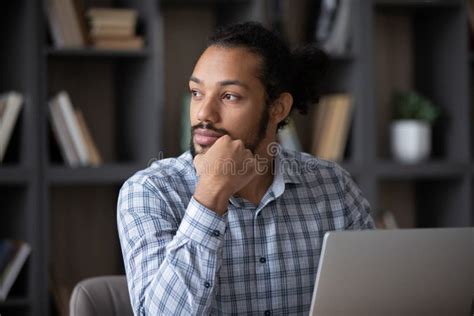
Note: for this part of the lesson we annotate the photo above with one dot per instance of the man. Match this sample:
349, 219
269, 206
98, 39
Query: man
235, 225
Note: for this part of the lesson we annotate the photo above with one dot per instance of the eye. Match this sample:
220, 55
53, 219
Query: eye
196, 94
231, 97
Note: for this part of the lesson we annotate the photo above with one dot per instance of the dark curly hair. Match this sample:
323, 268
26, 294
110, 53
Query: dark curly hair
298, 72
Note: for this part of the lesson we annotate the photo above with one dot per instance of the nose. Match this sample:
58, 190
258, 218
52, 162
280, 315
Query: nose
208, 110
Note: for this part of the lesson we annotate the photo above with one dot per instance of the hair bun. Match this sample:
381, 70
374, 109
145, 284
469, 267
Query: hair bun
309, 67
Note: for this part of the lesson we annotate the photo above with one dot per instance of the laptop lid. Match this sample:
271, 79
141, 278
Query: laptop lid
396, 272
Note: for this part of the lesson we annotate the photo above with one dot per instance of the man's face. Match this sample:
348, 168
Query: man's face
227, 97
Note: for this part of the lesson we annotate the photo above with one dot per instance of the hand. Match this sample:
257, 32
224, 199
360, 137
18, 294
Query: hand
225, 168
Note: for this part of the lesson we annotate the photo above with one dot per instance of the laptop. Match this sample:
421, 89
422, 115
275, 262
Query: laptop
396, 272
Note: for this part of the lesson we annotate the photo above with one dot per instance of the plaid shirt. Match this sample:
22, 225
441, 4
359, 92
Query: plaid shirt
183, 259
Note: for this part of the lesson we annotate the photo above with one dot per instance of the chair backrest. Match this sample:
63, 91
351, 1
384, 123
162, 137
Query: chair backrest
105, 295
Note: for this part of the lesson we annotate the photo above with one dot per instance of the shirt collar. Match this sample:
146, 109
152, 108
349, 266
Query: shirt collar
288, 166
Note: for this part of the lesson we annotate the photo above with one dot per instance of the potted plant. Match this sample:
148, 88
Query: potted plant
410, 134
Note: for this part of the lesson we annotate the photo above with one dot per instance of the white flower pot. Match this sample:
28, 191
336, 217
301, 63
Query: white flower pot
410, 140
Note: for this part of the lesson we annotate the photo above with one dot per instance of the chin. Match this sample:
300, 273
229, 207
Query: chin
197, 149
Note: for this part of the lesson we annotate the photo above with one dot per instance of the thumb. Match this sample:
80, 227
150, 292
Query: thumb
197, 162
197, 159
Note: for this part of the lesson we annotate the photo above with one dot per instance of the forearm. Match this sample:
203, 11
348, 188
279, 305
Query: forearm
178, 276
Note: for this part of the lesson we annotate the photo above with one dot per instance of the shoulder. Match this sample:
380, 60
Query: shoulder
308, 169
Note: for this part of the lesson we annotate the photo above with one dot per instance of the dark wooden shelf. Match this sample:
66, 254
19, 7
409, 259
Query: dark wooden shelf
417, 3
430, 169
13, 175
106, 174
16, 302
92, 52
183, 3
342, 58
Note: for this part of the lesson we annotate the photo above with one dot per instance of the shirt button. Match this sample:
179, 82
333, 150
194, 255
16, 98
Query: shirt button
268, 313
263, 260
207, 285
216, 233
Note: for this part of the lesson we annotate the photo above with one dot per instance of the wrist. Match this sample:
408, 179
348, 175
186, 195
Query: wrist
212, 196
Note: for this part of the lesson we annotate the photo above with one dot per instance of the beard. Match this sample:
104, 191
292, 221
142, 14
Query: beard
252, 144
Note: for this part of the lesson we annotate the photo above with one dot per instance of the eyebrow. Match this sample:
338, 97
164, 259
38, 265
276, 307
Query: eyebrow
222, 83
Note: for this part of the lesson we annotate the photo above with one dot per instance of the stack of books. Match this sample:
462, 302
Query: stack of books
331, 126
72, 134
10, 106
112, 28
13, 255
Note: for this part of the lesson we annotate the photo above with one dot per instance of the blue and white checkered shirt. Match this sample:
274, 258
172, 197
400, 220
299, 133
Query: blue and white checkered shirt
183, 259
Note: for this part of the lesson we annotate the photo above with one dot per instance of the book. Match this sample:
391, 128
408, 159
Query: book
95, 159
343, 117
113, 15
13, 257
77, 37
66, 23
112, 28
64, 104
105, 31
6, 249
12, 103
62, 135
385, 220
56, 30
334, 26
325, 20
131, 43
327, 130
331, 126
3, 106
318, 125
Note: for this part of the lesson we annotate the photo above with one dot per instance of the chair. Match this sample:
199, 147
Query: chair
101, 296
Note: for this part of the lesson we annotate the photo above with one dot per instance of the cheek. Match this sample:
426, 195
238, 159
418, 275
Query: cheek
244, 124
192, 112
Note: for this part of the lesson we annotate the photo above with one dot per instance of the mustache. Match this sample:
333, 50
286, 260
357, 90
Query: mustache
210, 127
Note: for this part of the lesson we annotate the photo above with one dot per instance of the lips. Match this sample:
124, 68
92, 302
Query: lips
205, 137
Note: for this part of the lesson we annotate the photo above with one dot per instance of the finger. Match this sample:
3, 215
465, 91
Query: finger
197, 159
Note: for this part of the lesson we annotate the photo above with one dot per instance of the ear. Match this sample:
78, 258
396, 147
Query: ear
281, 107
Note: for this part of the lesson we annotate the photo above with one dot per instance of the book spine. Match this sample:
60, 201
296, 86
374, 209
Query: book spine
95, 158
345, 121
13, 107
54, 23
319, 119
13, 269
61, 133
72, 125
338, 40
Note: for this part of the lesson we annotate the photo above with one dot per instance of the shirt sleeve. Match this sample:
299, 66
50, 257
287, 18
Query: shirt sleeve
357, 208
171, 267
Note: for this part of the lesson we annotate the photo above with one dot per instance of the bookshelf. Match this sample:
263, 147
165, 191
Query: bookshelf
423, 46
132, 102
42, 199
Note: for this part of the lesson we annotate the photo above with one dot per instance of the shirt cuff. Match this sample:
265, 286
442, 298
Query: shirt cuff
203, 226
